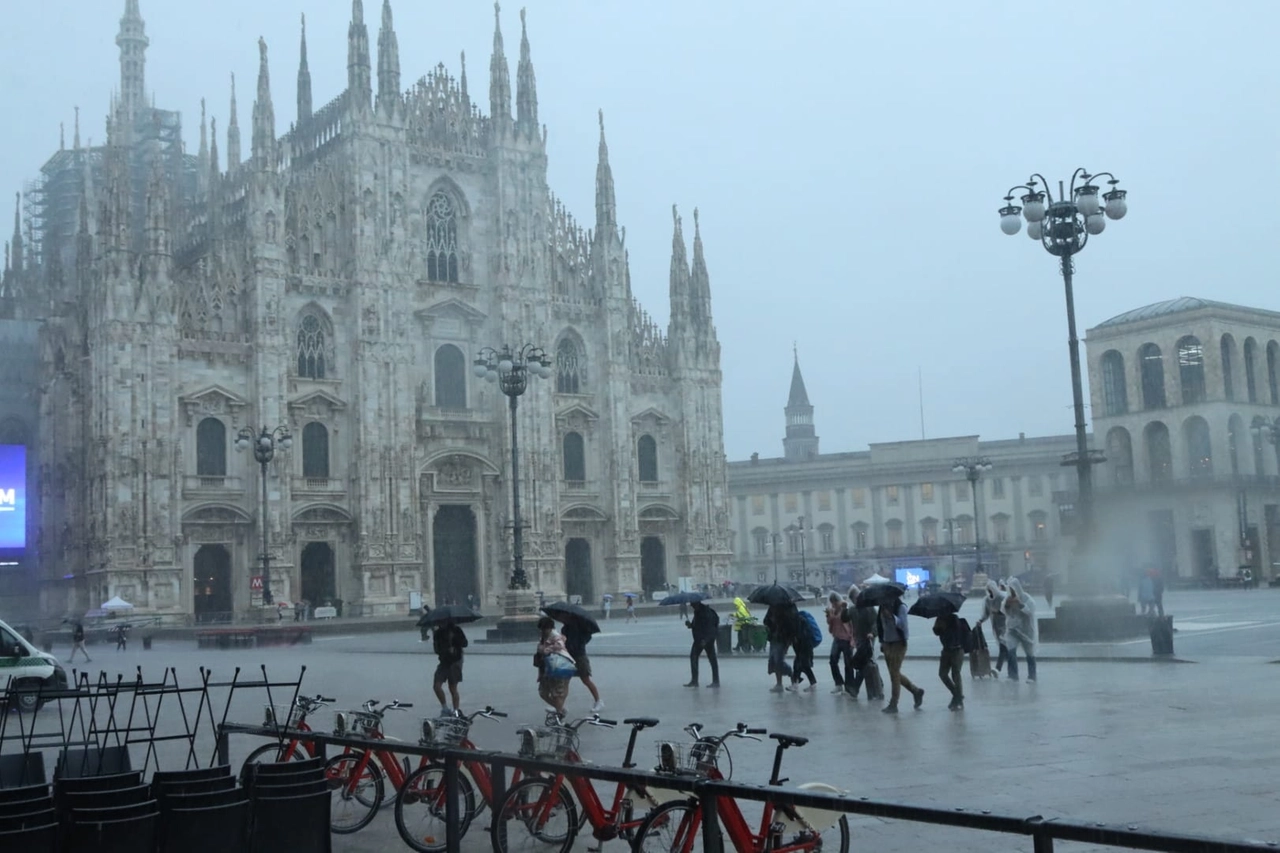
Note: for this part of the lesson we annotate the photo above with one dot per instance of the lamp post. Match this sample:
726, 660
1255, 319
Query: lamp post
804, 569
973, 468
775, 538
511, 369
1063, 226
264, 446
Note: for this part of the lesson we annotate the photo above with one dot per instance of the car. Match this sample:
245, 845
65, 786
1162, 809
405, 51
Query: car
25, 672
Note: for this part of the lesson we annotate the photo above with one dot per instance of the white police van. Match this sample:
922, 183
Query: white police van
24, 672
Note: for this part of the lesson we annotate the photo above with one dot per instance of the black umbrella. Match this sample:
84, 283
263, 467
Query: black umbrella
564, 611
937, 604
457, 613
877, 594
682, 598
773, 594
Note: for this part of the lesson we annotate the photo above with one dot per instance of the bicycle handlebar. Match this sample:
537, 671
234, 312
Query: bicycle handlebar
371, 707
488, 711
593, 720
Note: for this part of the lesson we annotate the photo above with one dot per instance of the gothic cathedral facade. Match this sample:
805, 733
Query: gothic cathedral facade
339, 282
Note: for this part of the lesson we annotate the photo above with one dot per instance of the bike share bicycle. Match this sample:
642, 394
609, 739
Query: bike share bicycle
356, 776
676, 826
295, 720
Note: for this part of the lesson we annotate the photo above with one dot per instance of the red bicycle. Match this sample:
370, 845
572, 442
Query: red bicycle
676, 826
356, 776
295, 720
539, 812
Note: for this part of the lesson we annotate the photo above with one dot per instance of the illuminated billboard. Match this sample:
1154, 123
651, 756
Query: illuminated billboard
13, 497
911, 577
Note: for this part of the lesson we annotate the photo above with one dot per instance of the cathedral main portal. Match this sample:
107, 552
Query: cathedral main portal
318, 583
454, 552
212, 582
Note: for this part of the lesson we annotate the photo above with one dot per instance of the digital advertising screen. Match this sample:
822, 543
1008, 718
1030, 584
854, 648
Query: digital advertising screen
13, 497
911, 577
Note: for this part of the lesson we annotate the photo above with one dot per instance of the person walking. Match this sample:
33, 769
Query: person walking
780, 624
892, 629
607, 605
1157, 591
841, 642
424, 623
552, 688
947, 629
122, 638
741, 619
862, 625
448, 642
576, 636
631, 608
705, 626
1147, 593
993, 609
77, 642
1022, 630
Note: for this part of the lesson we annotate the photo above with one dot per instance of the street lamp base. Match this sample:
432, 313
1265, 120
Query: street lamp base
519, 622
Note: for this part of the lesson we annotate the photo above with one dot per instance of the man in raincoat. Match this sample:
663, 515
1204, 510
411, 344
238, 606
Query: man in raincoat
1021, 629
741, 618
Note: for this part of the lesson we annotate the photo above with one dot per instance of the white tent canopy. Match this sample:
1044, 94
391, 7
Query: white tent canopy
117, 603
873, 579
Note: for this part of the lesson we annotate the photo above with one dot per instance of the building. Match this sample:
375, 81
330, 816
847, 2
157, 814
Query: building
340, 281
835, 517
1186, 396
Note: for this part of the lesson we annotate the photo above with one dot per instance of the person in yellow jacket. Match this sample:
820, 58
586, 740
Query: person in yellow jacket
741, 618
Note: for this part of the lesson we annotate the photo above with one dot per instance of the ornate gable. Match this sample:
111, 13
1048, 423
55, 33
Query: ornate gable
451, 318
650, 416
576, 418
320, 405
213, 400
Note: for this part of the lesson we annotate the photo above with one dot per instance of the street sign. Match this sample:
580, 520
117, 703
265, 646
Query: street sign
255, 583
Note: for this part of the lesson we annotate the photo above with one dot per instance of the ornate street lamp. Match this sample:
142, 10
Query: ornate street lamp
804, 569
973, 467
264, 446
1063, 225
511, 369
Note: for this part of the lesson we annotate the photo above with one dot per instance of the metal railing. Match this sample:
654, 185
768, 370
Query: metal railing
1043, 833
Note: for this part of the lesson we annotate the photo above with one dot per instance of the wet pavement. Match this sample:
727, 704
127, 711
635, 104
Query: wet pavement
1182, 747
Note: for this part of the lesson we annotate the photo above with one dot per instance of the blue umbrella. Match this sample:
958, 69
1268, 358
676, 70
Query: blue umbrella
682, 598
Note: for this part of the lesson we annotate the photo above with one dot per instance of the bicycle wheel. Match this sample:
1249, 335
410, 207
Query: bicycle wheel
528, 818
420, 806
835, 837
352, 803
272, 753
674, 827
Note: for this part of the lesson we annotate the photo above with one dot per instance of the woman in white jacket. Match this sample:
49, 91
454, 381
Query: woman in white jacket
1021, 629
992, 608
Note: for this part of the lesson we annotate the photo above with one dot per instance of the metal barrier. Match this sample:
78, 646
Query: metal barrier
1043, 833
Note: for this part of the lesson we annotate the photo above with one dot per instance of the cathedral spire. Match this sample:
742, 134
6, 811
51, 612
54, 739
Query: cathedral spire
499, 74
462, 82
264, 115
679, 271
801, 442
606, 206
304, 81
132, 41
16, 243
388, 61
700, 280
526, 84
157, 228
233, 132
76, 138
214, 172
359, 84
202, 157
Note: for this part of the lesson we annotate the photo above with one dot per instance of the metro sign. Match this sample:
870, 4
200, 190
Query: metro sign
8, 500
255, 583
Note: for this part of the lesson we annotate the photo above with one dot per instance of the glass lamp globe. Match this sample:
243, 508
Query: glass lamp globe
1095, 223
1010, 222
1035, 230
286, 442
1117, 207
1033, 206
264, 442
480, 369
505, 365
242, 444
491, 374
1087, 199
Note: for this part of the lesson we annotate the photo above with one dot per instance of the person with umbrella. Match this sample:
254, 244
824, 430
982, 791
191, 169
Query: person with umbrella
892, 629
943, 607
780, 620
448, 641
553, 683
607, 605
577, 631
704, 625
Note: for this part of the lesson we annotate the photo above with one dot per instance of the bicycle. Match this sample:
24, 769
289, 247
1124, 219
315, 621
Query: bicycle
541, 807
676, 826
295, 720
356, 776
423, 829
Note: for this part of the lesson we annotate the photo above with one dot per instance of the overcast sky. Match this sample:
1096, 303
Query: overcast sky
848, 159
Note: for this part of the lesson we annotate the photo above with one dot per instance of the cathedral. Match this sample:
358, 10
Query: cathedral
337, 285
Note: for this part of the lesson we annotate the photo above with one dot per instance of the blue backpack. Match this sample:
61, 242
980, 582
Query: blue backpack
814, 631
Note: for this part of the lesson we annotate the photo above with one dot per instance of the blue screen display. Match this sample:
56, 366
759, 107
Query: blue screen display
13, 496
911, 577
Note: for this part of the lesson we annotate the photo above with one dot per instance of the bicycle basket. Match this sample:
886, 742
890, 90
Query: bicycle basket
547, 741
698, 758
288, 716
444, 731
355, 723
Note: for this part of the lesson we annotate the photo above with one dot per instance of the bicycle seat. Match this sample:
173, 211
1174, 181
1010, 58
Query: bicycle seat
640, 723
789, 740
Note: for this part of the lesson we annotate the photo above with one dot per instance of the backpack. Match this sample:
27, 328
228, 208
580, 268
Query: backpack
814, 631
966, 635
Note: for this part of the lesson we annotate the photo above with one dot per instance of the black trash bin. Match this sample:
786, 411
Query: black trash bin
724, 638
146, 643
1162, 635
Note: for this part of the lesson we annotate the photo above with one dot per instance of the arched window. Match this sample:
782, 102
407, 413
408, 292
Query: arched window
211, 448
1152, 365
314, 346
442, 239
1120, 454
1191, 369
1259, 426
571, 367
860, 536
575, 458
1273, 352
1199, 451
1235, 440
1228, 347
826, 538
451, 378
1159, 452
647, 457
315, 451
1250, 380
1115, 397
